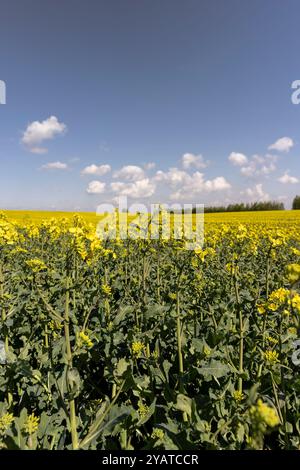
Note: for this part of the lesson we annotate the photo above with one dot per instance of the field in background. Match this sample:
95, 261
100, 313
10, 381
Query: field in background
25, 217
271, 217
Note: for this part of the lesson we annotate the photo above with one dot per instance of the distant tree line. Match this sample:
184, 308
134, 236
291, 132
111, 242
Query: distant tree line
242, 207
296, 203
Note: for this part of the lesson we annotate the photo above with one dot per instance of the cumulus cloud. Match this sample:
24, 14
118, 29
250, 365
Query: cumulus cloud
187, 186
256, 193
284, 144
238, 159
248, 170
189, 160
267, 169
287, 179
130, 173
37, 132
138, 189
96, 187
55, 166
99, 170
196, 184
173, 176
259, 165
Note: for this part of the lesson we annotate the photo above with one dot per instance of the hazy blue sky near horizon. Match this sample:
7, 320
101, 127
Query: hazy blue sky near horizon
130, 83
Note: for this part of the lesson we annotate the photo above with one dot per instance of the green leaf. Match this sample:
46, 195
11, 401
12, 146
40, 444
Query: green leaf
184, 404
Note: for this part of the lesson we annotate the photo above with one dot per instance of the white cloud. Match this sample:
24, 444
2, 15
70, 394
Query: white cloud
96, 187
256, 193
248, 170
186, 185
150, 166
37, 132
130, 173
55, 166
189, 160
267, 169
96, 170
217, 184
238, 159
259, 165
287, 179
284, 144
138, 189
173, 176
195, 184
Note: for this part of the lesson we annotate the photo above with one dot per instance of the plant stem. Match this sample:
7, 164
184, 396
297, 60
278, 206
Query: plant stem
158, 279
3, 318
72, 407
3, 313
179, 348
265, 315
106, 301
241, 331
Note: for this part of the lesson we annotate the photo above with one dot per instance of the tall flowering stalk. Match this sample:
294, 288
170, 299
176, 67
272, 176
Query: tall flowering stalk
69, 357
3, 311
241, 333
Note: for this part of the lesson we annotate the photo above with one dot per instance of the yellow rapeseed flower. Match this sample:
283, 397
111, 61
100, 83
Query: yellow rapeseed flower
293, 271
272, 340
157, 434
31, 424
36, 265
137, 348
295, 302
5, 422
106, 289
143, 410
262, 413
238, 395
84, 340
278, 298
261, 308
206, 351
271, 356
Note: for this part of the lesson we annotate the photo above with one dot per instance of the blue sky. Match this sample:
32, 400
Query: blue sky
161, 101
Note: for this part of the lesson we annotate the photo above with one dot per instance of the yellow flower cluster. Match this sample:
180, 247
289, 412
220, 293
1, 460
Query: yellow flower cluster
106, 289
172, 296
202, 253
84, 340
8, 232
278, 238
271, 356
143, 410
36, 265
295, 302
271, 340
137, 348
206, 351
157, 434
293, 271
238, 395
232, 268
262, 413
276, 299
31, 424
6, 421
